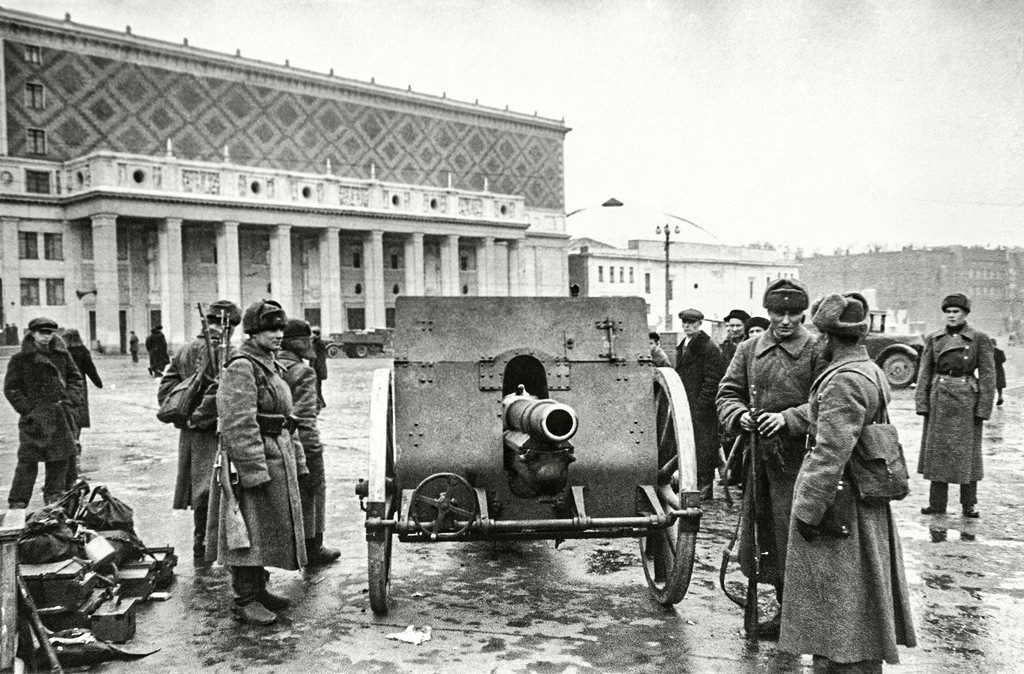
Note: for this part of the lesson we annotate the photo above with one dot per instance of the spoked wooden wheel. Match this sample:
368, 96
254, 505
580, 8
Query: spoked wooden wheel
668, 554
381, 501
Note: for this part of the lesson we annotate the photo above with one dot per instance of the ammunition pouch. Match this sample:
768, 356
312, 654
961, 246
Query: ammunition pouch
272, 425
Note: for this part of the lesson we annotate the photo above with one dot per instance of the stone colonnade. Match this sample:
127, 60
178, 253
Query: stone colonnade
171, 272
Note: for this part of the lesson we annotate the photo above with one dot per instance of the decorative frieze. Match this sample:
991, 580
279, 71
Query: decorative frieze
354, 196
200, 182
471, 208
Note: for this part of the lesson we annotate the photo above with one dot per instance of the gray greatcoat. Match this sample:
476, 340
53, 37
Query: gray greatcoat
772, 376
83, 361
267, 466
846, 598
197, 447
302, 380
46, 390
954, 406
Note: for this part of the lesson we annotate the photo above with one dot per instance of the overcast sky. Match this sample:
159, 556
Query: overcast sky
816, 123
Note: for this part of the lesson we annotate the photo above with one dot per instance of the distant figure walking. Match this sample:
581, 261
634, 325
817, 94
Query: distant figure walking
133, 346
156, 347
45, 388
83, 360
1000, 357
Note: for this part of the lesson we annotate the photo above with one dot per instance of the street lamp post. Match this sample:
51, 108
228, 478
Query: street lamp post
668, 241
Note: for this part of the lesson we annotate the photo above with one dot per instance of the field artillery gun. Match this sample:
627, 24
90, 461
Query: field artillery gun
529, 418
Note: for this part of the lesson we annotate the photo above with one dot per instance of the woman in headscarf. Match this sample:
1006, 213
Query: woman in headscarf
254, 405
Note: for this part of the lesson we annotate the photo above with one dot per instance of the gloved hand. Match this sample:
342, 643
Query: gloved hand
808, 531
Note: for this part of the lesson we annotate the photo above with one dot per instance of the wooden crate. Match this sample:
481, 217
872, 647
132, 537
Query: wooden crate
11, 525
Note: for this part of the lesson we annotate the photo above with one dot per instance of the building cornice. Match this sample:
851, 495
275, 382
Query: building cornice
70, 36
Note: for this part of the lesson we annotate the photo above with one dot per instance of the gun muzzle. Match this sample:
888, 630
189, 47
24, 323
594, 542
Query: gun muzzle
547, 420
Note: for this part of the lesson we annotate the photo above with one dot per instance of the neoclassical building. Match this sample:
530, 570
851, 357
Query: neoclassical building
139, 177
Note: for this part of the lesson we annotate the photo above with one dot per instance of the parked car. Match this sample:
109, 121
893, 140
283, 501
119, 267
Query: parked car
897, 354
359, 343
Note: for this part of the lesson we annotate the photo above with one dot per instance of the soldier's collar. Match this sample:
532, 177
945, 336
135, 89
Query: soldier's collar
767, 341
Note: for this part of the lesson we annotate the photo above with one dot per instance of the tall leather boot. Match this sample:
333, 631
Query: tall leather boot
319, 555
247, 582
269, 599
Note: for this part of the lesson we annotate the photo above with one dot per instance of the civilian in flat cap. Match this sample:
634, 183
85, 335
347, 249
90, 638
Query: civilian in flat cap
736, 332
868, 608
197, 442
764, 395
699, 364
46, 389
156, 347
254, 405
302, 380
956, 384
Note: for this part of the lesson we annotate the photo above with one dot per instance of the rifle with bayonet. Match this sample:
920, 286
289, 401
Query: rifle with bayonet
236, 532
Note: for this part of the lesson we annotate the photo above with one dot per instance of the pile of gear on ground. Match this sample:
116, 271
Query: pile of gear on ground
83, 572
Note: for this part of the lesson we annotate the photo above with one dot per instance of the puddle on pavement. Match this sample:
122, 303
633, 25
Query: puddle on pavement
942, 534
603, 561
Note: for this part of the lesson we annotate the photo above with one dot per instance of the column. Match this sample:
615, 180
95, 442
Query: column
331, 318
12, 275
229, 271
414, 284
281, 266
528, 271
514, 273
450, 265
172, 279
373, 279
485, 266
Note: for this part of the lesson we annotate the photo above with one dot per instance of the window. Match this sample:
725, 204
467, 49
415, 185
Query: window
395, 261
356, 318
29, 292
389, 317
54, 292
463, 262
631, 275
37, 182
35, 97
647, 283
751, 280
122, 243
33, 54
53, 246
357, 260
36, 141
611, 274
28, 246
87, 243
622, 274
600, 274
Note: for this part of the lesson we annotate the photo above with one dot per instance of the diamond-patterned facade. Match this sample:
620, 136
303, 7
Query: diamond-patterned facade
96, 103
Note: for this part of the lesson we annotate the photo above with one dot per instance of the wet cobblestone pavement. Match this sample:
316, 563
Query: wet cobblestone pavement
527, 607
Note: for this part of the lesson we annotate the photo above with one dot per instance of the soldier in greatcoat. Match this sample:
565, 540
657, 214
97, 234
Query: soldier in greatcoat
197, 441
956, 385
46, 389
699, 364
302, 380
847, 601
254, 404
772, 376
156, 347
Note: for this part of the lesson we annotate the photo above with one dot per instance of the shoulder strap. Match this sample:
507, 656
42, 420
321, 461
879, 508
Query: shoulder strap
882, 415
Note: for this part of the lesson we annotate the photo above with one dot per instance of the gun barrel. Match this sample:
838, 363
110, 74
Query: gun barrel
545, 420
